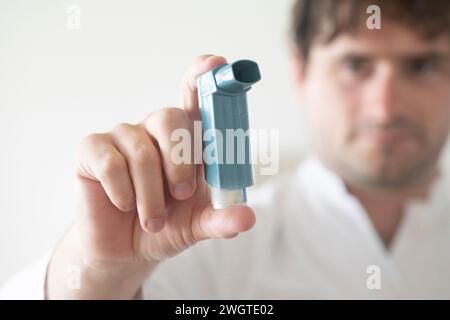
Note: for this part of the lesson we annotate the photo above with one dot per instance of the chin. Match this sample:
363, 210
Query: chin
389, 172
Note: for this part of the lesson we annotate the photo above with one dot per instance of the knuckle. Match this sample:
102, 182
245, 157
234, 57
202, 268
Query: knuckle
143, 153
122, 128
166, 118
111, 165
171, 113
92, 140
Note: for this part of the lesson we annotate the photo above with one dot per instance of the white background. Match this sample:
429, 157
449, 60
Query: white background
57, 85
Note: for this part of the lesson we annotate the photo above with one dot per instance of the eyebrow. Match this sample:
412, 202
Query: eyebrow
434, 56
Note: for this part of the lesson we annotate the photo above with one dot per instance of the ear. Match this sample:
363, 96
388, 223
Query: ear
298, 70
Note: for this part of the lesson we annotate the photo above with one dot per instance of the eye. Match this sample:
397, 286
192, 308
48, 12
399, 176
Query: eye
356, 65
421, 65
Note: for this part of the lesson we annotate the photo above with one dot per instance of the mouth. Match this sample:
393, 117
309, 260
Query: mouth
389, 137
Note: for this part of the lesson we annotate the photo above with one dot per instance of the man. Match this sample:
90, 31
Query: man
365, 217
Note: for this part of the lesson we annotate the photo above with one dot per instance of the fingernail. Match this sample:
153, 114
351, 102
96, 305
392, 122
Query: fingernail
130, 206
182, 190
154, 224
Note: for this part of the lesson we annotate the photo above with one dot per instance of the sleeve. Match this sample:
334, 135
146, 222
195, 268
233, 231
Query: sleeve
29, 283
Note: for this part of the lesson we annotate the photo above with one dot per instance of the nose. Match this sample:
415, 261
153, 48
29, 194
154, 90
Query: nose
381, 103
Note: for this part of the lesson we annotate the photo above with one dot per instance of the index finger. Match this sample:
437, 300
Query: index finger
189, 95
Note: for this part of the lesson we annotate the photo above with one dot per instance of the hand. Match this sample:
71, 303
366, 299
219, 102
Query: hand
134, 206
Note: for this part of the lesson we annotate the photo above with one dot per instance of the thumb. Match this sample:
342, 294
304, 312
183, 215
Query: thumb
223, 223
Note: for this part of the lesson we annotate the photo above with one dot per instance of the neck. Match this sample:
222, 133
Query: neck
386, 207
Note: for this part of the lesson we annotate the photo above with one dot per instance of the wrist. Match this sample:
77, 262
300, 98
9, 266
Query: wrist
73, 273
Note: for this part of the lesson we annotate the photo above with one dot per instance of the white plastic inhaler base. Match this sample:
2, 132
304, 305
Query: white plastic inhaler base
222, 198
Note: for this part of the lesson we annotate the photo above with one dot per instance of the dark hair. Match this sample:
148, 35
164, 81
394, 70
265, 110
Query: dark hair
323, 20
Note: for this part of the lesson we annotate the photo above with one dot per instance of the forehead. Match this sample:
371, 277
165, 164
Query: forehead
393, 40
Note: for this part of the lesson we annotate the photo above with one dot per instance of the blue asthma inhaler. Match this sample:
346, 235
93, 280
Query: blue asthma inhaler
225, 126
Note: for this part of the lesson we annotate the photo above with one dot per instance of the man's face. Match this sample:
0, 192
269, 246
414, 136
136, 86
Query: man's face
379, 104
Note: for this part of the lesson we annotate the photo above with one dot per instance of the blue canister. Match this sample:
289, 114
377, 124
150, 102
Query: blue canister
225, 126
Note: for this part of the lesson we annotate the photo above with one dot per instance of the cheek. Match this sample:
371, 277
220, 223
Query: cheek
432, 110
332, 112
438, 124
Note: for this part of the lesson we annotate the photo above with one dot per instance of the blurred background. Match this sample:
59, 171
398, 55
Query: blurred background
126, 59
